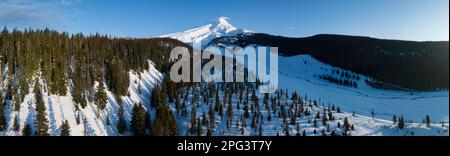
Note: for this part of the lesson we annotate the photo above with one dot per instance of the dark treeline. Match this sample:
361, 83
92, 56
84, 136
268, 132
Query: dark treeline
408, 64
61, 58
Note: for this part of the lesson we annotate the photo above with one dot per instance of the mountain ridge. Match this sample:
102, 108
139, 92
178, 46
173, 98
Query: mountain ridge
205, 33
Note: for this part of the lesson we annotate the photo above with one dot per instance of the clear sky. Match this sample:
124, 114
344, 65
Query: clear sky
418, 20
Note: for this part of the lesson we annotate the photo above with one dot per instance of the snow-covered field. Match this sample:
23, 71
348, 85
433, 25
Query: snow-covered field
296, 75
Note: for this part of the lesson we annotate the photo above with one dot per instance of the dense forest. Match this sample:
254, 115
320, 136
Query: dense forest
59, 63
412, 65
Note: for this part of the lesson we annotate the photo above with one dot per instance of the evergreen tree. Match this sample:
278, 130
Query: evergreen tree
156, 93
324, 119
428, 121
193, 120
16, 125
211, 117
230, 111
199, 128
165, 123
221, 110
246, 112
2, 115
101, 96
401, 122
394, 119
121, 123
27, 131
65, 128
217, 103
346, 124
204, 119
41, 121
138, 120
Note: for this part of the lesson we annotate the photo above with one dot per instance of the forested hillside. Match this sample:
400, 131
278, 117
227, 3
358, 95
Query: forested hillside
409, 65
71, 64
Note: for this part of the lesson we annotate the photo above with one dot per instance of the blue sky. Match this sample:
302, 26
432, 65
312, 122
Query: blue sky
392, 19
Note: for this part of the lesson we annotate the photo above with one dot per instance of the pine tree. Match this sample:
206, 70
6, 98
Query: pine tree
27, 131
199, 128
401, 122
204, 119
121, 123
394, 119
138, 120
101, 96
221, 110
246, 112
324, 119
165, 123
217, 103
193, 120
156, 93
16, 125
211, 117
230, 111
2, 115
65, 128
428, 121
304, 132
41, 121
346, 124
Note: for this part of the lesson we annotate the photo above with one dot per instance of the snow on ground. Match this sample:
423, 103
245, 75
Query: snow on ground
204, 34
364, 125
297, 73
60, 108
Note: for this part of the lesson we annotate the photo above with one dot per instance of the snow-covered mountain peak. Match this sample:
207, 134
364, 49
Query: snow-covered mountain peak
223, 25
205, 33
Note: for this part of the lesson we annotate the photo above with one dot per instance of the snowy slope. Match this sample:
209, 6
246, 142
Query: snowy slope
59, 108
297, 73
204, 34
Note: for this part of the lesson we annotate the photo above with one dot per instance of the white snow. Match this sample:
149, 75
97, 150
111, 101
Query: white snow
204, 34
60, 108
296, 75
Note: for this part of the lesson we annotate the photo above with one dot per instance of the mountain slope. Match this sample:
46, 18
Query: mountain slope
204, 34
413, 65
91, 122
